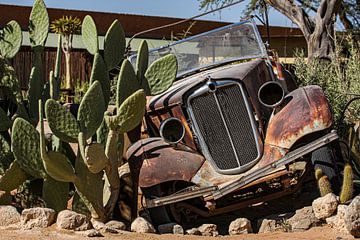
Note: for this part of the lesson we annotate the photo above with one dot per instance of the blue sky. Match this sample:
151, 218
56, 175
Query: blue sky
167, 8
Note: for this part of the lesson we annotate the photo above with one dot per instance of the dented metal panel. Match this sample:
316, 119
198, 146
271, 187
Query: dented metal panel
156, 161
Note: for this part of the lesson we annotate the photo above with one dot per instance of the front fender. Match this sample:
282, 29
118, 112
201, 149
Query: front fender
154, 161
307, 111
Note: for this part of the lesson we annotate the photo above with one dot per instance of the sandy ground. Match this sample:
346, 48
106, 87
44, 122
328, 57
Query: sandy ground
317, 233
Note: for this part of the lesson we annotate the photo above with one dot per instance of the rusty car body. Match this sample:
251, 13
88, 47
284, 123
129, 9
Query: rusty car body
234, 122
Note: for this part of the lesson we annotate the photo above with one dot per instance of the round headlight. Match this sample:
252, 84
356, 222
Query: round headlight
172, 130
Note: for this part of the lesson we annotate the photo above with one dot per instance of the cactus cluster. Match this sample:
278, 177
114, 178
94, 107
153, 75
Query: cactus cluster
323, 182
27, 153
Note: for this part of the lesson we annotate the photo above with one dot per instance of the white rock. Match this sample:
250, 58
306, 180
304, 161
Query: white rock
140, 225
240, 226
267, 225
92, 233
72, 221
37, 217
208, 230
193, 231
303, 219
325, 206
117, 225
8, 215
170, 228
352, 217
338, 221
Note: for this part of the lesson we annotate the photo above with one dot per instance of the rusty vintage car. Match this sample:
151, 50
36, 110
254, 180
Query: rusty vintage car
233, 130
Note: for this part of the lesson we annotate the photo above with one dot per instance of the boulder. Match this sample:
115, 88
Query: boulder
92, 233
267, 225
303, 219
72, 221
193, 231
240, 226
208, 230
325, 206
141, 225
37, 217
338, 221
170, 228
8, 215
352, 217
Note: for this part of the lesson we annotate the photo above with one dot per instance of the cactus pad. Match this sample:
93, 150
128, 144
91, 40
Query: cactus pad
12, 39
61, 122
91, 110
55, 194
12, 178
58, 167
38, 24
95, 158
129, 114
5, 122
142, 61
127, 83
161, 74
114, 45
26, 148
89, 35
99, 73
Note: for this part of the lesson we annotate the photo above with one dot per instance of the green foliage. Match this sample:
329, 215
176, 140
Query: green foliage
80, 90
5, 122
89, 35
38, 24
11, 39
114, 45
161, 74
339, 78
55, 194
347, 185
6, 156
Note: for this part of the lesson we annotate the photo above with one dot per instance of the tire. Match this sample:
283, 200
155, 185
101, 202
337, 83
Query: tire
326, 158
158, 215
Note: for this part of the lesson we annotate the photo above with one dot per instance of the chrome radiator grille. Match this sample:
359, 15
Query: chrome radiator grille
226, 127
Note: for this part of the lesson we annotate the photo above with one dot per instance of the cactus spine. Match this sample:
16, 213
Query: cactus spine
323, 182
347, 185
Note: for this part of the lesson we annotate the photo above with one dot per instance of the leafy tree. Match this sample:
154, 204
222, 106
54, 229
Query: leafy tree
315, 18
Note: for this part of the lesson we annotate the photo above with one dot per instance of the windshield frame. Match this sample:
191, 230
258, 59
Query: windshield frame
262, 48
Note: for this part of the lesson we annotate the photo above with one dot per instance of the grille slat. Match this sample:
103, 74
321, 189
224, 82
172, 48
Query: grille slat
213, 130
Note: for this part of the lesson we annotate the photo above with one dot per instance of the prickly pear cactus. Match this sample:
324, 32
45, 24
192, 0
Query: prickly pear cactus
127, 83
142, 61
13, 177
114, 45
5, 122
61, 122
55, 194
26, 149
129, 114
89, 35
161, 74
91, 110
99, 73
347, 186
38, 24
11, 40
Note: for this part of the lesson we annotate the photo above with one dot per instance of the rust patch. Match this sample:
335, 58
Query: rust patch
155, 161
308, 111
